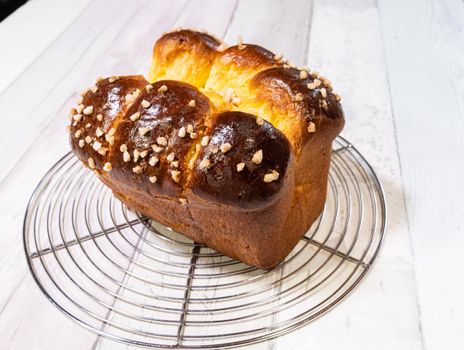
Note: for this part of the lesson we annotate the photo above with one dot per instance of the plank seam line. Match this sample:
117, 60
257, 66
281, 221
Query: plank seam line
395, 131
231, 19
13, 293
53, 42
272, 344
308, 34
181, 11
54, 115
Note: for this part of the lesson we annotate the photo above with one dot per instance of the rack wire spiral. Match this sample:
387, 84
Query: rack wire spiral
135, 281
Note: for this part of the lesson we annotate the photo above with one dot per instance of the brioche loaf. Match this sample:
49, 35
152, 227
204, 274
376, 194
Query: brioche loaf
229, 146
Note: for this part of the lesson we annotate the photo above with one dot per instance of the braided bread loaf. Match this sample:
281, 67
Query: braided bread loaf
229, 146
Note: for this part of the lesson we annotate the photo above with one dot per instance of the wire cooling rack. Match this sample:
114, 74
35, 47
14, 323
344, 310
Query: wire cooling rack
135, 281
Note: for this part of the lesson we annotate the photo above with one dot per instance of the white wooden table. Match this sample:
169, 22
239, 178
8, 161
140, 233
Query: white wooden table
399, 67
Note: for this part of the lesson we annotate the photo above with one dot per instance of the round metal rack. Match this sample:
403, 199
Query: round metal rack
132, 280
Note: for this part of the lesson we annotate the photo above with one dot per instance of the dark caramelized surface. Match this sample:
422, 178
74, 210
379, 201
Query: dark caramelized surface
223, 183
168, 113
109, 101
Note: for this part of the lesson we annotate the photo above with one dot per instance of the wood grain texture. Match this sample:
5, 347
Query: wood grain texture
276, 25
29, 322
73, 57
54, 88
46, 25
280, 26
53, 76
236, 23
424, 45
343, 40
346, 46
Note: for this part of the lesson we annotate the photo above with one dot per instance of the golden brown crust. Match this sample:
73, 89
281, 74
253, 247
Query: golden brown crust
295, 106
183, 55
234, 67
247, 57
229, 146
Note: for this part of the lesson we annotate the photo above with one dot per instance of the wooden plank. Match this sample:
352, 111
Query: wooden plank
283, 27
424, 46
54, 136
44, 27
33, 323
49, 151
346, 46
216, 22
117, 58
47, 122
28, 110
271, 15
213, 16
280, 26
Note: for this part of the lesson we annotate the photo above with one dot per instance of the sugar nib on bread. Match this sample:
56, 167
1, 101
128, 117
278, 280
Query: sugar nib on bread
230, 146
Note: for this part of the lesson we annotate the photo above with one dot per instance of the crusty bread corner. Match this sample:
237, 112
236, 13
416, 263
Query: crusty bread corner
230, 146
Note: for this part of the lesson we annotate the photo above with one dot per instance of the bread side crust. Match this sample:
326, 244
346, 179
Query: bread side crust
300, 104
